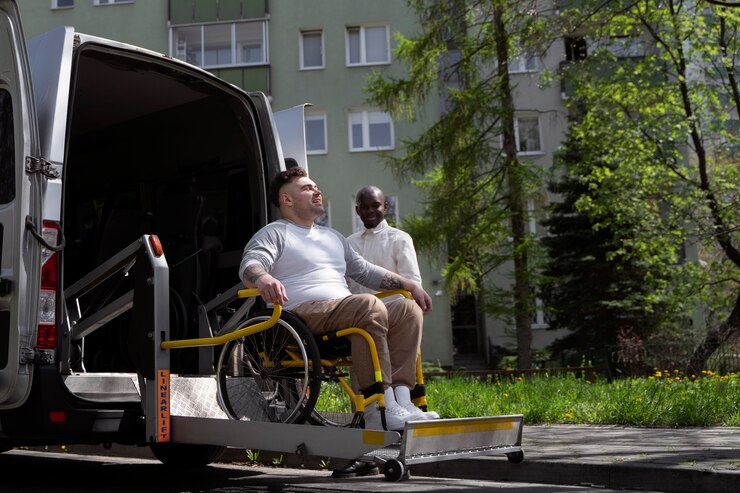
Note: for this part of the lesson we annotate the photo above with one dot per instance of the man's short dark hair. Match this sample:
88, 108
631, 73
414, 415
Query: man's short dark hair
283, 178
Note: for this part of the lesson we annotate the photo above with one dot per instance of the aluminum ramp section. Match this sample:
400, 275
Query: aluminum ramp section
304, 439
197, 418
447, 439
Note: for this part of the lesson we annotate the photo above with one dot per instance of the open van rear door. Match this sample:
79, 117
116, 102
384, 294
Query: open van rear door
19, 277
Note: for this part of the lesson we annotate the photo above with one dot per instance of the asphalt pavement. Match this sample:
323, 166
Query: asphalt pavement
614, 457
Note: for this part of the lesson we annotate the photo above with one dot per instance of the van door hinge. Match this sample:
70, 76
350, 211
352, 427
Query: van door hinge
40, 165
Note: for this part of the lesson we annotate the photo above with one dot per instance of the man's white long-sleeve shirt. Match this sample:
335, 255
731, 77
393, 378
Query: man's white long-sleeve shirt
387, 247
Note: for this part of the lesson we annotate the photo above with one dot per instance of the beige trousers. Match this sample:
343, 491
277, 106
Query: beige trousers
395, 328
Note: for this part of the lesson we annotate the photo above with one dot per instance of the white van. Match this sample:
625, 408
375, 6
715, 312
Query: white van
100, 143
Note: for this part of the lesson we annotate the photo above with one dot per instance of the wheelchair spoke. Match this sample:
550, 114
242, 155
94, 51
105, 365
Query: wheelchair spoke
268, 376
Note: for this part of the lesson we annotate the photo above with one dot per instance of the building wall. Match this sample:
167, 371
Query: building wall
141, 23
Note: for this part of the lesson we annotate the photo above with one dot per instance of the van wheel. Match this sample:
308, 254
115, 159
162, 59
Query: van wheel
186, 455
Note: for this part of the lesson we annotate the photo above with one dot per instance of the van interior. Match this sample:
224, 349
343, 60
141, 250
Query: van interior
156, 150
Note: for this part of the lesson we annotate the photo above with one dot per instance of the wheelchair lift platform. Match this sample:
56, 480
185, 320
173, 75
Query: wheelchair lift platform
196, 418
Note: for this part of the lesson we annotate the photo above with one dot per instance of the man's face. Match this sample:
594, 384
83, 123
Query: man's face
304, 198
371, 208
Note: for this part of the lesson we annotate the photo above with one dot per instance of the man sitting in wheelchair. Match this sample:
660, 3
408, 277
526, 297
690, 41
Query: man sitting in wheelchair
303, 266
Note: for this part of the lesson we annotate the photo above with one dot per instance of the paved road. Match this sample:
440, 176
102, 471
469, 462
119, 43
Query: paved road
696, 460
46, 472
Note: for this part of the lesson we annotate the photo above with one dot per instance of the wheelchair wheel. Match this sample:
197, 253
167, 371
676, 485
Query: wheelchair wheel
273, 375
333, 407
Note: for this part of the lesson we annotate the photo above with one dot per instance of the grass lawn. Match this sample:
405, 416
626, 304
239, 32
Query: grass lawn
664, 399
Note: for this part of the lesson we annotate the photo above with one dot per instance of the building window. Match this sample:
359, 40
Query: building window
62, 4
575, 49
370, 131
368, 45
523, 63
315, 125
312, 50
221, 45
111, 2
528, 135
621, 46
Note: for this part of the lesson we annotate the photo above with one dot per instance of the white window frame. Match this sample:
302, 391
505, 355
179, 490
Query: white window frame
363, 46
519, 64
303, 65
175, 52
100, 3
365, 122
539, 149
55, 5
314, 116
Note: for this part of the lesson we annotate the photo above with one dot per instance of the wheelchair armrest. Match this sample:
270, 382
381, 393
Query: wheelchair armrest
402, 292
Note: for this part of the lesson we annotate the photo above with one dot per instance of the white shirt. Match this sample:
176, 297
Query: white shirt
387, 247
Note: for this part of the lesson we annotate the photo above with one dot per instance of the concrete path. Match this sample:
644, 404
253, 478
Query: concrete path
655, 459
658, 459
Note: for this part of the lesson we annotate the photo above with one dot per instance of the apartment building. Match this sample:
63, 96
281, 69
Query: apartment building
318, 54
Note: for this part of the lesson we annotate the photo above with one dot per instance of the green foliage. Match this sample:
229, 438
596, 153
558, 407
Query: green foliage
588, 286
253, 456
658, 157
664, 399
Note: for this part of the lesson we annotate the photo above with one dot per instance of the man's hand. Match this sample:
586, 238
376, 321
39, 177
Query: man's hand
271, 290
422, 298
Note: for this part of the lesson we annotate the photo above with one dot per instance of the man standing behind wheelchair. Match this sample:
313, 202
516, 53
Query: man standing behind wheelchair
303, 266
392, 249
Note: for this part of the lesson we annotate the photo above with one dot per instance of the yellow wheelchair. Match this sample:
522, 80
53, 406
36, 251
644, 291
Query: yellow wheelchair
272, 369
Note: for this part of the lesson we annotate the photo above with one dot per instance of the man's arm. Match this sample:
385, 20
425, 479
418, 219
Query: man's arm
394, 281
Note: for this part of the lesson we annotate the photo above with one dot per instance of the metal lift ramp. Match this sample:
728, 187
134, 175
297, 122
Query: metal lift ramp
196, 418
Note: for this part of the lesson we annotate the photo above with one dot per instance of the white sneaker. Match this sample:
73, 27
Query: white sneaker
395, 415
403, 397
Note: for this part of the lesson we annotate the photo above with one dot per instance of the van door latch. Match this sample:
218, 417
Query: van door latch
40, 165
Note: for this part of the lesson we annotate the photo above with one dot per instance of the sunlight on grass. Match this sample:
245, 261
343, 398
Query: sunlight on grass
667, 398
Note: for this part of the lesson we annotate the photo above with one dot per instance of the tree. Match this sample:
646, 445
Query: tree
660, 97
477, 187
589, 288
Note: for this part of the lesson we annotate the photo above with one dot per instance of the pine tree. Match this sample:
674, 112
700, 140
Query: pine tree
588, 287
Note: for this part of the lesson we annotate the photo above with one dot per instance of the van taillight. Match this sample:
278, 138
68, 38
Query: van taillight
47, 332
